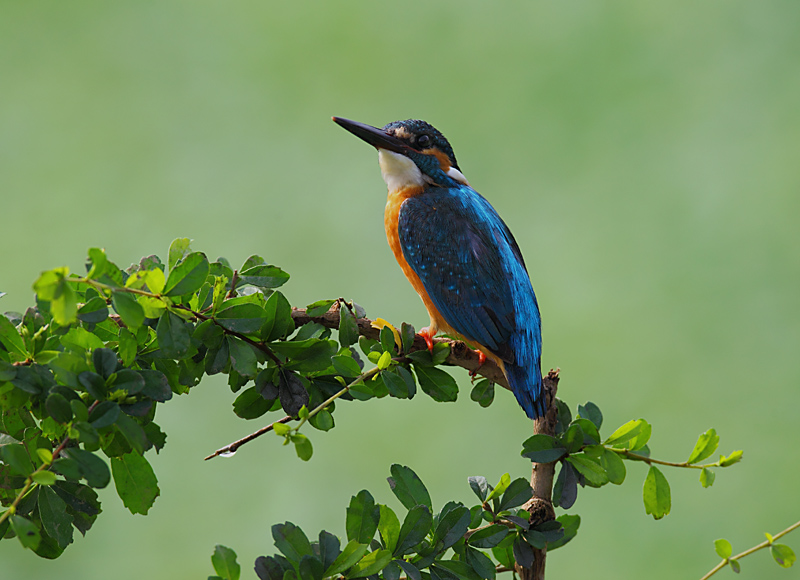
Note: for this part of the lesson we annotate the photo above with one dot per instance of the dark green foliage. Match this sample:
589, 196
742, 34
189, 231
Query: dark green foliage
83, 372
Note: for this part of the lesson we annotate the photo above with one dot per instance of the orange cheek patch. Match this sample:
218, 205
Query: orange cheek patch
444, 161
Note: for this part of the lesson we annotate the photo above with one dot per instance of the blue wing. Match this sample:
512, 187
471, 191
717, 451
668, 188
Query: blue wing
473, 272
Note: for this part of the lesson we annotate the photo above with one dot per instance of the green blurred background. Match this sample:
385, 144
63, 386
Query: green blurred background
644, 155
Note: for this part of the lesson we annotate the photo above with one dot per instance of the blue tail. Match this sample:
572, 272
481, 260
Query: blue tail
526, 384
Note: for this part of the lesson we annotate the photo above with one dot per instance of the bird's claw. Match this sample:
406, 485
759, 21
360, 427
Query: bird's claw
426, 334
481, 359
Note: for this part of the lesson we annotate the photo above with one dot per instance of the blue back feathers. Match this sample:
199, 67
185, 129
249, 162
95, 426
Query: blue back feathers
473, 272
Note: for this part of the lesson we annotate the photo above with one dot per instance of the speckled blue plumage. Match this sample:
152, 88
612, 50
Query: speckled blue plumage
474, 273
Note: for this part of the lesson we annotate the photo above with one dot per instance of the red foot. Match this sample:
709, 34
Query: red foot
426, 334
481, 360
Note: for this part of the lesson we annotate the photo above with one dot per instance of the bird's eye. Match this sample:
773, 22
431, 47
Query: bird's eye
423, 141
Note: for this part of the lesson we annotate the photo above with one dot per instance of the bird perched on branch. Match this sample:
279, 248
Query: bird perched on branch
458, 254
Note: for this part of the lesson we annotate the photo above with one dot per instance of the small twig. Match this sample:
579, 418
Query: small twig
649, 460
760, 546
236, 444
234, 280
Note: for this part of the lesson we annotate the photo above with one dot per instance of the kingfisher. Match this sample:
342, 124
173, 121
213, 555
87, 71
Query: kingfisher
458, 254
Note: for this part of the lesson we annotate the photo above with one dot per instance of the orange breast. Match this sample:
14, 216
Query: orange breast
390, 221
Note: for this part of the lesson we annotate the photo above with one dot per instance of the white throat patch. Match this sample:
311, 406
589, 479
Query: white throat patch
399, 171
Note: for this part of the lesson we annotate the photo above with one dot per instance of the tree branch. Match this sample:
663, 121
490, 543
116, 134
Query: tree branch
460, 355
540, 505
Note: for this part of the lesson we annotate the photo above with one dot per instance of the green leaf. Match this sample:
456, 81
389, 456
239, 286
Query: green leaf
591, 470
130, 381
385, 360
346, 366
44, 477
104, 414
723, 548
127, 346
735, 566
264, 276
105, 362
488, 537
243, 358
292, 393
518, 492
128, 308
371, 563
504, 553
135, 481
591, 412
570, 525
734, 457
224, 561
90, 466
26, 531
436, 383
250, 404
395, 384
483, 392
502, 485
16, 456
362, 518
291, 541
174, 335
278, 322
57, 523
707, 477
573, 438
323, 420
408, 487
389, 527
480, 486
415, 527
412, 572
245, 318
64, 305
783, 555
329, 549
178, 249
58, 408
302, 446
614, 466
11, 339
456, 569
481, 563
451, 528
656, 494
310, 568
348, 328
94, 384
319, 308
705, 447
407, 334
309, 355
630, 430
188, 276
543, 448
351, 554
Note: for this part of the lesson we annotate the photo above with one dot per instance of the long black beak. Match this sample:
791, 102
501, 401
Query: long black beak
376, 137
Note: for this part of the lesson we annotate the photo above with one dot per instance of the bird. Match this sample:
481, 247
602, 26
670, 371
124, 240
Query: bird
458, 254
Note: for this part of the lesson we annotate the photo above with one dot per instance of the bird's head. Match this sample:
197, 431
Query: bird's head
412, 153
